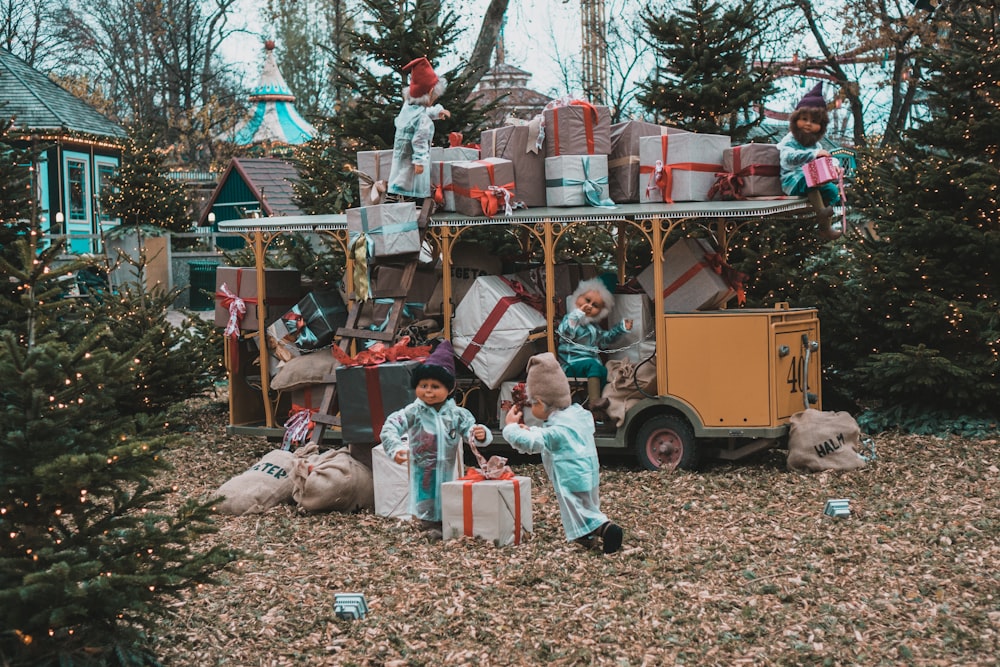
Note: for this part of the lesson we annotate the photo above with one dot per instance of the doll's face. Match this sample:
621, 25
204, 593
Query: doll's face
590, 303
432, 392
538, 409
807, 125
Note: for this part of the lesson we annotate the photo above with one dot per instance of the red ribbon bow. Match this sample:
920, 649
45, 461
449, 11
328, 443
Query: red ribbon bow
379, 353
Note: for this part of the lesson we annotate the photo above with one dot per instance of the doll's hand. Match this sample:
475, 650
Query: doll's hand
514, 415
479, 433
823, 154
418, 169
444, 114
402, 456
628, 324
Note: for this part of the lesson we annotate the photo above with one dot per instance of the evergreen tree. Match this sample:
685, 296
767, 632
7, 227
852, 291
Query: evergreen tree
704, 81
16, 180
387, 36
930, 321
140, 194
90, 555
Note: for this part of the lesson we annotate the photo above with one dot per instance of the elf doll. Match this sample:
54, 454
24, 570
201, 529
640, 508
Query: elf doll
807, 126
410, 176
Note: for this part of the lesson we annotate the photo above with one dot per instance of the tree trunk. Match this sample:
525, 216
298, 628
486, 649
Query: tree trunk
489, 32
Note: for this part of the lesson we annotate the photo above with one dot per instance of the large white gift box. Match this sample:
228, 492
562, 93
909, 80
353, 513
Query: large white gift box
639, 343
392, 485
690, 281
493, 327
496, 510
679, 167
577, 180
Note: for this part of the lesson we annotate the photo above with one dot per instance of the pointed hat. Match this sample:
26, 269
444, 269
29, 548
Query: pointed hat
814, 98
422, 77
440, 366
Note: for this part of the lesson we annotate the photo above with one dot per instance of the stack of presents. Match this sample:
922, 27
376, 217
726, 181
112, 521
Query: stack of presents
570, 156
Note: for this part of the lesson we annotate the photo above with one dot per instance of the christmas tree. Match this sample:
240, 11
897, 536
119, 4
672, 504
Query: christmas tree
928, 324
90, 555
704, 81
390, 35
140, 194
17, 177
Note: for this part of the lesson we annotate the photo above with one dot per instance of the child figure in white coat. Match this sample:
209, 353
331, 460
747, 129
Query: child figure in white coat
410, 174
435, 427
566, 443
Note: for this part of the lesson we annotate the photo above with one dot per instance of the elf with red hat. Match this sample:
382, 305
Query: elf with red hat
807, 126
410, 176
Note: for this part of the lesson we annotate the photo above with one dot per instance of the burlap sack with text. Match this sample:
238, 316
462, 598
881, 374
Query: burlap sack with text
267, 483
819, 441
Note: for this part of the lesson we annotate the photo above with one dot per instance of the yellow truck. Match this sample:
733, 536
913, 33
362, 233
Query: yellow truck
727, 380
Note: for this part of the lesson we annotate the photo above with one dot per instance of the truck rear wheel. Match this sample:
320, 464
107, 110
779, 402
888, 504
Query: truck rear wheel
666, 442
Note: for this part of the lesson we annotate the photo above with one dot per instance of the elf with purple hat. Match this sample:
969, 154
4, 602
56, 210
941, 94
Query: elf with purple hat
410, 175
807, 126
434, 426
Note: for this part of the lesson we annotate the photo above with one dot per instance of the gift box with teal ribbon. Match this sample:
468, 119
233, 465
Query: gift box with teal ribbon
577, 180
385, 230
314, 320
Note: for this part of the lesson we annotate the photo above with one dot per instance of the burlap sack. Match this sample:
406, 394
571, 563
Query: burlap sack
332, 481
267, 483
819, 441
626, 383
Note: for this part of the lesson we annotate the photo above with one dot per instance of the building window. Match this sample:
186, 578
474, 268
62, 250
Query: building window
76, 172
105, 174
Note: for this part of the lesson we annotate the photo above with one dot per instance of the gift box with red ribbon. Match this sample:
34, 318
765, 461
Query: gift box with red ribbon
493, 326
376, 391
484, 187
299, 425
679, 167
236, 296
623, 160
373, 176
750, 170
577, 128
514, 143
496, 510
694, 278
441, 182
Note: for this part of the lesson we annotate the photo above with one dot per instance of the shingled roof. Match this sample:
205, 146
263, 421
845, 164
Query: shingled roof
268, 180
38, 103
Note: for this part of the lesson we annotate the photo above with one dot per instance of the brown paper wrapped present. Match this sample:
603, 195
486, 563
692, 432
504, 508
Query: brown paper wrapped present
514, 143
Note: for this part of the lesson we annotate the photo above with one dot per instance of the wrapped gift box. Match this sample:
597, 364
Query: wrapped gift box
282, 289
483, 187
375, 393
504, 401
390, 229
392, 485
468, 262
639, 343
313, 321
442, 187
454, 154
577, 180
687, 161
577, 129
426, 280
373, 166
498, 511
514, 143
758, 168
623, 160
492, 329
690, 281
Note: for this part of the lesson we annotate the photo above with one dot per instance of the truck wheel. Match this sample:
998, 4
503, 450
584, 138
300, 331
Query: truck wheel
666, 442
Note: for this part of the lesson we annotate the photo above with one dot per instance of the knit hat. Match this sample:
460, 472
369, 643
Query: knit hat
547, 382
814, 98
422, 77
439, 365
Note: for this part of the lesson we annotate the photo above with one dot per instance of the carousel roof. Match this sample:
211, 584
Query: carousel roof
274, 119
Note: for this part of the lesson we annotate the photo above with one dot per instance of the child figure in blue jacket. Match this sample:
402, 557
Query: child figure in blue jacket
566, 443
435, 427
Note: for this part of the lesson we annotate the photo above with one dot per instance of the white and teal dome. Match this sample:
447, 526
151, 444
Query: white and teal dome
274, 119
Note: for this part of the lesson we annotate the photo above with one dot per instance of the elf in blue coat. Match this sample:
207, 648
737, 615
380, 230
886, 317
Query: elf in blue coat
435, 427
566, 443
807, 126
410, 174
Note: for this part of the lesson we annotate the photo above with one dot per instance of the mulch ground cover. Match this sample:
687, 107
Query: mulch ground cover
735, 564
